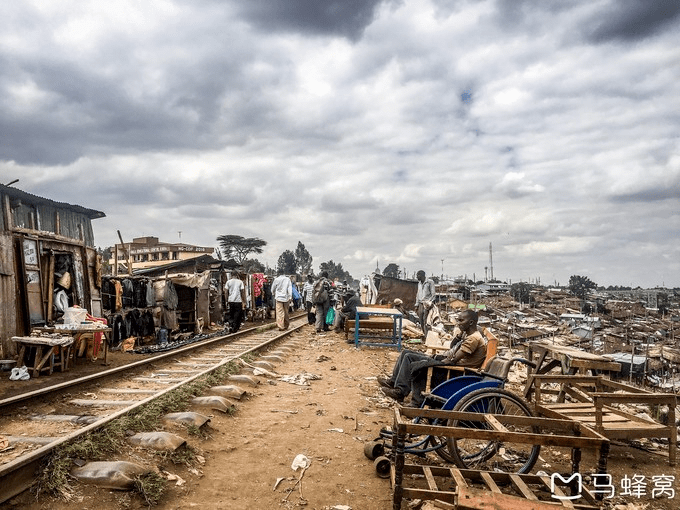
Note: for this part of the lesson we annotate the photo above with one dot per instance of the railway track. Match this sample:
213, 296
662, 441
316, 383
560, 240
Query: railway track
36, 423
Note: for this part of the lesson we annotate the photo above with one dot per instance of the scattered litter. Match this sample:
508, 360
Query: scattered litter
323, 358
283, 411
303, 462
258, 370
194, 471
300, 461
278, 481
336, 430
266, 373
19, 374
179, 481
301, 379
341, 507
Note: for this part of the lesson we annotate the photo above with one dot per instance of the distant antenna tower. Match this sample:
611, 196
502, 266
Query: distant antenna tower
491, 261
179, 232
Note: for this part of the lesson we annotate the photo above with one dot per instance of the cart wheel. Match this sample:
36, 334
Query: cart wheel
373, 450
382, 467
506, 456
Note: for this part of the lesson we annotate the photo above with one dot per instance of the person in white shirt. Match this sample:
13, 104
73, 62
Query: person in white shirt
307, 290
282, 291
236, 299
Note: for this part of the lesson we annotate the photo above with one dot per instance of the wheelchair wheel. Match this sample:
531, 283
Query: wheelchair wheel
382, 467
488, 455
373, 450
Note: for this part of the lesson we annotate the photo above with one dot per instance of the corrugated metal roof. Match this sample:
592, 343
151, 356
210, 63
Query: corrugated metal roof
29, 198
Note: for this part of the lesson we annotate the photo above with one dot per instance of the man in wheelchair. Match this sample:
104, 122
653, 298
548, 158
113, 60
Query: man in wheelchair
467, 349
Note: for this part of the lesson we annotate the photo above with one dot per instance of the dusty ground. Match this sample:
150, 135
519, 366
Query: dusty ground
328, 422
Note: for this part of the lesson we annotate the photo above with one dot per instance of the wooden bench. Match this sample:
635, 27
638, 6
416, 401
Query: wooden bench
438, 374
592, 397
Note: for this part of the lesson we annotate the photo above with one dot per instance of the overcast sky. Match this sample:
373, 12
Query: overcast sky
405, 131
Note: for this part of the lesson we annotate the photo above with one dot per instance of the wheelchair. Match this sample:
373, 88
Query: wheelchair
472, 392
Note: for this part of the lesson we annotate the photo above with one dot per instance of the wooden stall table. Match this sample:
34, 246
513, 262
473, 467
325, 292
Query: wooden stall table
570, 360
75, 334
377, 319
41, 354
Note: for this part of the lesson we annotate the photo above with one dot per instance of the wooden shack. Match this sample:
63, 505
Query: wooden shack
199, 283
47, 261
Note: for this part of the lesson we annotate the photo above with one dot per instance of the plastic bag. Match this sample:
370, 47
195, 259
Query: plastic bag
330, 316
19, 374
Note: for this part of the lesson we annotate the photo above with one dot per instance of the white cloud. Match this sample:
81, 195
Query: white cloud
404, 132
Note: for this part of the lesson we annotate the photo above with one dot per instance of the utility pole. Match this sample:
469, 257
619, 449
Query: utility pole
491, 261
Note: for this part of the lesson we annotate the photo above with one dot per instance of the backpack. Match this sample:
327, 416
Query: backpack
320, 292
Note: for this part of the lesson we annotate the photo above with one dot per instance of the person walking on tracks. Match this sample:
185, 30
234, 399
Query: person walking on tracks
307, 291
236, 299
321, 296
282, 290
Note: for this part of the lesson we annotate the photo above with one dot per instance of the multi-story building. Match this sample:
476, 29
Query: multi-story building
149, 252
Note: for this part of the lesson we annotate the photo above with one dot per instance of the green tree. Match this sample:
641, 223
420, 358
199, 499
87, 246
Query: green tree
579, 286
303, 259
335, 271
253, 266
286, 262
392, 270
521, 292
106, 254
239, 247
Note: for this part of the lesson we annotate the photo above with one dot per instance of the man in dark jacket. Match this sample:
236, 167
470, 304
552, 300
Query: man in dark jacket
348, 311
322, 301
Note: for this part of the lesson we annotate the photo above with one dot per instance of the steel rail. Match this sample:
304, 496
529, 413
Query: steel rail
130, 366
18, 475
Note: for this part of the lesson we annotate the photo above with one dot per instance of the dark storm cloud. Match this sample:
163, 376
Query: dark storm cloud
632, 20
83, 112
347, 18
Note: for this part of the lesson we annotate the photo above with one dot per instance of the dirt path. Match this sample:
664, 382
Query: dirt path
328, 422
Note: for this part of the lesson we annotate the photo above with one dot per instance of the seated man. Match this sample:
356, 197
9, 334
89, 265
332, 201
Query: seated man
467, 349
348, 311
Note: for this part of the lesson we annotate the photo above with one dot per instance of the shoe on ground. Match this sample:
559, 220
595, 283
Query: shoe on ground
393, 393
384, 381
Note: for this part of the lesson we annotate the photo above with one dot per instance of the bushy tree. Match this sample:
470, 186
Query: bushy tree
253, 266
579, 286
286, 262
520, 292
391, 270
239, 247
303, 259
335, 271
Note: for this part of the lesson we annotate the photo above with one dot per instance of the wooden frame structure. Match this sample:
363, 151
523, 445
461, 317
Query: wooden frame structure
553, 432
592, 398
